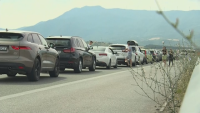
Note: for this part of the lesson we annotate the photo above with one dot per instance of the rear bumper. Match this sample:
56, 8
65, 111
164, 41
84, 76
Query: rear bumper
20, 68
68, 62
104, 61
121, 61
99, 63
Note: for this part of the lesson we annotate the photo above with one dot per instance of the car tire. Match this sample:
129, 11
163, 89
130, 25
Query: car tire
142, 61
115, 64
34, 75
56, 71
93, 67
79, 68
146, 60
133, 64
109, 65
11, 74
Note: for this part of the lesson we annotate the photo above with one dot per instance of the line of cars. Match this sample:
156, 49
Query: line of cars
29, 53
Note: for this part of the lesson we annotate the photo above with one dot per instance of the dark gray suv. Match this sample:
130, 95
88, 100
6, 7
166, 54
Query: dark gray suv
27, 53
74, 53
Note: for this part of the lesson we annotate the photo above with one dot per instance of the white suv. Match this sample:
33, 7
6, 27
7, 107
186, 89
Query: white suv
139, 55
136, 56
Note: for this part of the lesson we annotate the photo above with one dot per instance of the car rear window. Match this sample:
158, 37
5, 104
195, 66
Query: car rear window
59, 42
117, 47
10, 36
132, 43
99, 49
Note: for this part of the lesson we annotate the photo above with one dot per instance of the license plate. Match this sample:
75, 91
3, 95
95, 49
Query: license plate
3, 48
59, 52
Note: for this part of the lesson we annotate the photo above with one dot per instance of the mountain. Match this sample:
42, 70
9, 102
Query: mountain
119, 25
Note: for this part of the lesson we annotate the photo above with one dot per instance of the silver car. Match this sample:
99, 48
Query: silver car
27, 53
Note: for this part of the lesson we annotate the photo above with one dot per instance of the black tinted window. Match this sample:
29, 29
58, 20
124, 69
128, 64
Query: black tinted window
59, 42
117, 47
132, 43
98, 49
36, 39
30, 38
10, 36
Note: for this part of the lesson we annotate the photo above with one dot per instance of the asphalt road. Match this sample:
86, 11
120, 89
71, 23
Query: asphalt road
102, 91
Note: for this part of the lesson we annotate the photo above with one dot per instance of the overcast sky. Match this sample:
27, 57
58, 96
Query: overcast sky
20, 13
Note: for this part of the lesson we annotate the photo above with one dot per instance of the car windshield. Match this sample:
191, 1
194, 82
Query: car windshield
114, 47
10, 36
59, 42
99, 49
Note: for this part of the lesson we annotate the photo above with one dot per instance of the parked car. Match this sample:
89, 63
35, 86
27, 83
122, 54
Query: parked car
148, 56
159, 55
27, 53
140, 57
74, 53
105, 56
155, 55
122, 55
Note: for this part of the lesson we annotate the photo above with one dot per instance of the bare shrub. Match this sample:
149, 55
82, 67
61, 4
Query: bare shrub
167, 84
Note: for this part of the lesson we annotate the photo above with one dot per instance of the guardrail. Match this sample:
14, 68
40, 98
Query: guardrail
191, 101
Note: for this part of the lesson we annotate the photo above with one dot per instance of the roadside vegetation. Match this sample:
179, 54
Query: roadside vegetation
168, 83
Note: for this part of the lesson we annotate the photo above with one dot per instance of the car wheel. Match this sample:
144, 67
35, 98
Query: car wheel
56, 70
79, 68
109, 65
11, 74
115, 64
93, 67
133, 64
34, 75
142, 61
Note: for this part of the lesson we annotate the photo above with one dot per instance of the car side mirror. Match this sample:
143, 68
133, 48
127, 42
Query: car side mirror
51, 45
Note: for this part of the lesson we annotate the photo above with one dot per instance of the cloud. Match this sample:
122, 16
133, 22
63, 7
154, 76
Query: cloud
173, 39
154, 39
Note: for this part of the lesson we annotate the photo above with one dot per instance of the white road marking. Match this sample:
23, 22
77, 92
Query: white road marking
55, 86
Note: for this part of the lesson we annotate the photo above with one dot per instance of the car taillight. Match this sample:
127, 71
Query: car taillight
102, 54
136, 53
71, 50
21, 47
